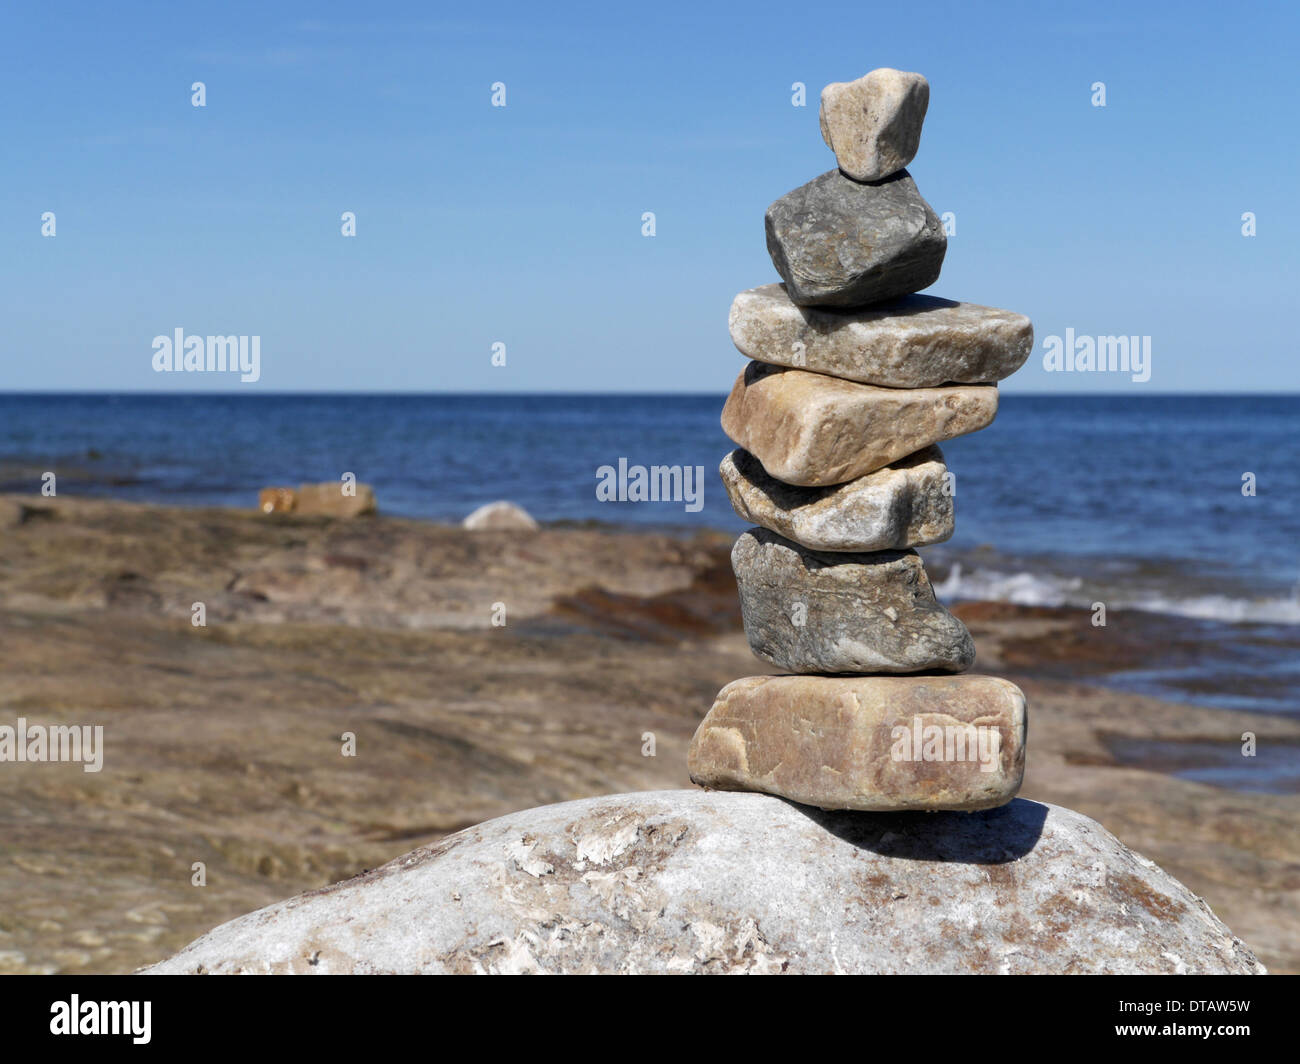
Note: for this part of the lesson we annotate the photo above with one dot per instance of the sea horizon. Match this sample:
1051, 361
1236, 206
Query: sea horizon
1084, 502
1004, 393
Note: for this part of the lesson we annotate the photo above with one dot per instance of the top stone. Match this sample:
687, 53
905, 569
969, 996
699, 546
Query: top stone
873, 125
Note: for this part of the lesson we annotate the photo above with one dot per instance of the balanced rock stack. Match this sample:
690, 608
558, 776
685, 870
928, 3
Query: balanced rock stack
854, 382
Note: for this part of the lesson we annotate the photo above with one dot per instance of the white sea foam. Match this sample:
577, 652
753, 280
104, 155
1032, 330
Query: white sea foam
1024, 589
1046, 589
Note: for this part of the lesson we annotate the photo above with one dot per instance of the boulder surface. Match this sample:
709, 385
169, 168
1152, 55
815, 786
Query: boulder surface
696, 881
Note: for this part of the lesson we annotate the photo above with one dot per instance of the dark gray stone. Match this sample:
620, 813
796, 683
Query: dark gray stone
841, 243
817, 612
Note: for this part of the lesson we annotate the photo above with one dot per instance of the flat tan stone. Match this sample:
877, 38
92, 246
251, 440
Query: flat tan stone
878, 743
906, 504
328, 500
917, 341
811, 430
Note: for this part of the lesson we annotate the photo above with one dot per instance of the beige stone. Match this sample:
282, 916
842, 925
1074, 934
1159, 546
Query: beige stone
277, 500
811, 430
873, 125
871, 743
329, 500
917, 341
906, 504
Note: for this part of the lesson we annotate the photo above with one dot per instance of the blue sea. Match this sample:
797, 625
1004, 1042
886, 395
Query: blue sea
1133, 501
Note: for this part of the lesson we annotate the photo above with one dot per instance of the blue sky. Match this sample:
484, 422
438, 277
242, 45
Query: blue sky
522, 224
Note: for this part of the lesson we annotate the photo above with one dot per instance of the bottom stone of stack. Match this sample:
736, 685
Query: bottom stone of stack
878, 743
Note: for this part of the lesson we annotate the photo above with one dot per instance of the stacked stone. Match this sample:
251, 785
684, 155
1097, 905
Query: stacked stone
854, 382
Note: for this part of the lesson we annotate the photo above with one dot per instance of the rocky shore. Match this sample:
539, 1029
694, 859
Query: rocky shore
222, 744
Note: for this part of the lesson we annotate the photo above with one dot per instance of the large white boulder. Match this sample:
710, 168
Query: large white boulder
696, 881
500, 516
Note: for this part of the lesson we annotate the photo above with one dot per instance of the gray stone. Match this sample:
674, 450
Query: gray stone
879, 743
906, 504
498, 516
837, 242
873, 125
812, 430
689, 881
911, 342
809, 611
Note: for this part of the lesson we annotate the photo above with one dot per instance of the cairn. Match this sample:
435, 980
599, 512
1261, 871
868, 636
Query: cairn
854, 381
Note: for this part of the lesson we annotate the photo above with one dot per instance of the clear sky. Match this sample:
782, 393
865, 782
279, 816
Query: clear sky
523, 224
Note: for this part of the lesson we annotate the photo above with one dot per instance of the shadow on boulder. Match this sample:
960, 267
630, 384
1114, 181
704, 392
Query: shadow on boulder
989, 836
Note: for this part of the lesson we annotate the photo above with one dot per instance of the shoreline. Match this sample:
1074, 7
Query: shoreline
221, 743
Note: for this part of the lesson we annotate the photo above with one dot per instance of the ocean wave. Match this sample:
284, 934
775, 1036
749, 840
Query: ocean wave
1025, 588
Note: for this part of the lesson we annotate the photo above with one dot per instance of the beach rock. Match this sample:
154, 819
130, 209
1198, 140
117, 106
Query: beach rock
912, 342
874, 742
809, 611
836, 242
12, 513
906, 504
328, 500
812, 430
691, 881
873, 125
277, 500
498, 516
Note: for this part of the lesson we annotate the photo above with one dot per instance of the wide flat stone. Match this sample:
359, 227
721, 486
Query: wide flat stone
716, 882
873, 125
837, 242
330, 499
812, 611
915, 341
812, 430
906, 504
880, 743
